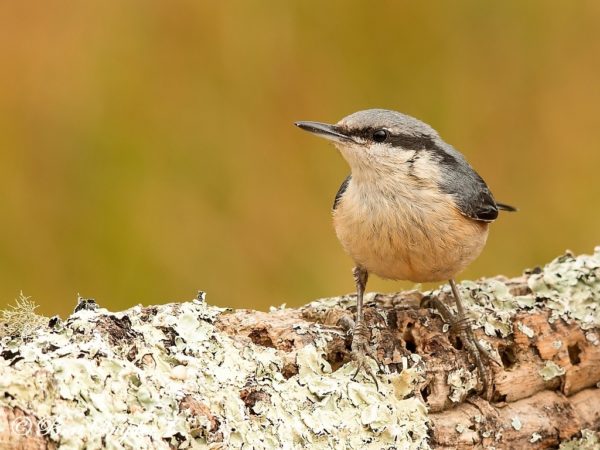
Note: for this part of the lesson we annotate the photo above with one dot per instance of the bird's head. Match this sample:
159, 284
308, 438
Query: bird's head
377, 140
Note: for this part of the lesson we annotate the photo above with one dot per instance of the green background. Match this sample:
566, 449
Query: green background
147, 148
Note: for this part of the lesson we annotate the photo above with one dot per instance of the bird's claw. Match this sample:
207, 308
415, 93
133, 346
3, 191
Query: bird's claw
485, 353
361, 353
462, 327
479, 353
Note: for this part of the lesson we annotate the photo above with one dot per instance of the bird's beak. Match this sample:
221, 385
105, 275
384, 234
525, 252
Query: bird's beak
325, 130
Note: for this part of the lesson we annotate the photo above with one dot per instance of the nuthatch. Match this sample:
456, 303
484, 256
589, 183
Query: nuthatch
412, 209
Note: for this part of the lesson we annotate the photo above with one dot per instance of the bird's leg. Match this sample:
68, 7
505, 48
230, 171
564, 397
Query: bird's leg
461, 324
360, 334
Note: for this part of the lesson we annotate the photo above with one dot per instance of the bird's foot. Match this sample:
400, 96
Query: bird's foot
479, 354
361, 352
463, 329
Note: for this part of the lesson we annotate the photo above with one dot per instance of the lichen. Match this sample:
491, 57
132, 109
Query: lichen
516, 423
535, 437
489, 303
569, 286
461, 382
551, 370
21, 319
165, 377
592, 336
589, 440
525, 330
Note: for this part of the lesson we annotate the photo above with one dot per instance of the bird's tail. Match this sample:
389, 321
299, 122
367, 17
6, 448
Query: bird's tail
505, 207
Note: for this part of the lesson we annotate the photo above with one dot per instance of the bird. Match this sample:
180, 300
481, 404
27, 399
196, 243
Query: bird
411, 209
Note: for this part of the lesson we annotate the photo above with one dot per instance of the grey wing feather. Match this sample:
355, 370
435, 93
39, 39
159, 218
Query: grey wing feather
470, 192
480, 206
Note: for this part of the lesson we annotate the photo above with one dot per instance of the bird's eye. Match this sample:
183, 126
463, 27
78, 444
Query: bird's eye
380, 135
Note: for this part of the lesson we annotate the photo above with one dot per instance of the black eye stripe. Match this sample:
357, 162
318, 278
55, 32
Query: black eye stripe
406, 141
412, 142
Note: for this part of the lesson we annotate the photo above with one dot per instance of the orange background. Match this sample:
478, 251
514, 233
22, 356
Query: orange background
147, 148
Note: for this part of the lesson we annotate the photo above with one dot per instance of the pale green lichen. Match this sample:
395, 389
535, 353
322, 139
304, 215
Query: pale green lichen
21, 319
525, 330
589, 440
569, 286
461, 382
592, 336
535, 437
127, 393
551, 370
516, 423
490, 302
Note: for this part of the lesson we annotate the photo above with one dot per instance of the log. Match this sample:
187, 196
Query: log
192, 375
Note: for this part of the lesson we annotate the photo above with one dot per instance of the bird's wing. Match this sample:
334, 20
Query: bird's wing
481, 206
341, 190
479, 203
472, 196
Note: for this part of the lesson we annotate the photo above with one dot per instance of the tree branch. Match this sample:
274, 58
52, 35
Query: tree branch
189, 375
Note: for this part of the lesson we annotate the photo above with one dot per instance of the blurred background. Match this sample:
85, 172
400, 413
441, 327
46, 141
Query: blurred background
147, 149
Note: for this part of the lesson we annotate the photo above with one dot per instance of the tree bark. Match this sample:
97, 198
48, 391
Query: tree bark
190, 375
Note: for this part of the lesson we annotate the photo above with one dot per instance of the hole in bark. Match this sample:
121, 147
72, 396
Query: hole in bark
425, 392
497, 398
457, 343
289, 370
261, 337
409, 339
508, 357
9, 354
574, 352
395, 368
336, 360
392, 320
411, 346
252, 396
